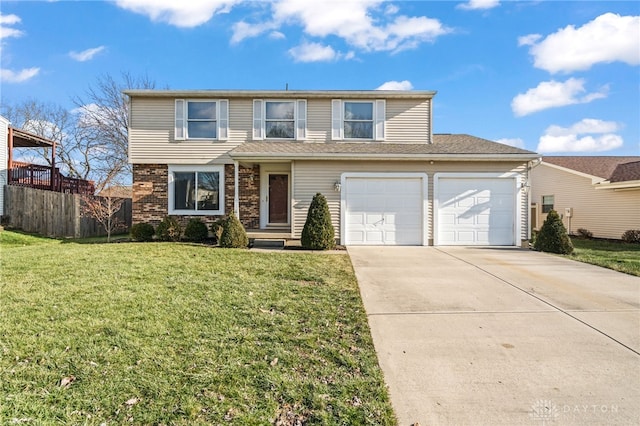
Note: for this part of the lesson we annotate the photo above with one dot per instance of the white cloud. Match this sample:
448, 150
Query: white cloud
242, 30
515, 142
528, 40
396, 85
5, 31
86, 55
186, 14
361, 24
9, 19
553, 94
316, 52
277, 35
587, 135
608, 38
10, 76
479, 5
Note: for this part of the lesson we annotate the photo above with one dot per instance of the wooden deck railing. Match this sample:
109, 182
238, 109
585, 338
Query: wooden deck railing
40, 177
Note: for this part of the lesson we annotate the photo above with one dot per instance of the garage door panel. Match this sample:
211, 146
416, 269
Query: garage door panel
381, 211
475, 211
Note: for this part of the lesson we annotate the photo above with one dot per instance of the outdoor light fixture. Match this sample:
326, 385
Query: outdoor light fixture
337, 186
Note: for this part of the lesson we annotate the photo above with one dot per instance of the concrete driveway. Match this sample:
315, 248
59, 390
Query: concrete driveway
502, 336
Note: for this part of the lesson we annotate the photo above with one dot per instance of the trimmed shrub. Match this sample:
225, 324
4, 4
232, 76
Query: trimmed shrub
233, 233
142, 232
584, 233
552, 237
318, 233
196, 230
169, 229
631, 236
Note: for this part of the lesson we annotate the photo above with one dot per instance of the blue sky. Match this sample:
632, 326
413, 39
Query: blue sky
553, 77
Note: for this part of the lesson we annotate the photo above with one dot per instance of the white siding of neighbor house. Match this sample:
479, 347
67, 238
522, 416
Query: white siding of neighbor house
152, 141
4, 158
606, 213
310, 177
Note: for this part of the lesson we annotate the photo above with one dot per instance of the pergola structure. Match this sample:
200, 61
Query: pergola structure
36, 175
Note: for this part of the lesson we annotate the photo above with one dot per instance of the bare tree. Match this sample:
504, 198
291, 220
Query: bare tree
103, 123
104, 209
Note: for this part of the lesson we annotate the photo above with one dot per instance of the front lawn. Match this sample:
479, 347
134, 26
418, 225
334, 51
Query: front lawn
162, 333
616, 255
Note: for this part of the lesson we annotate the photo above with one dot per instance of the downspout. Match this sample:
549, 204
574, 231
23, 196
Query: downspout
530, 166
236, 196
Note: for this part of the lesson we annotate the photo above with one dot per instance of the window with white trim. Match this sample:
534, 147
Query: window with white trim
279, 119
203, 119
547, 203
359, 120
196, 190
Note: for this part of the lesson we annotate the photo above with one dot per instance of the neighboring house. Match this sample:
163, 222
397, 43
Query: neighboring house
600, 194
4, 159
264, 154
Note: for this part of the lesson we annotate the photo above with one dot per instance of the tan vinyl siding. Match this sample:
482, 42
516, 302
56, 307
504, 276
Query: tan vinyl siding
606, 213
151, 132
407, 121
310, 177
318, 120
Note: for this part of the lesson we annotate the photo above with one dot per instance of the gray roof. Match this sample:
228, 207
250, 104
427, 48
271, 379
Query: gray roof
444, 146
613, 168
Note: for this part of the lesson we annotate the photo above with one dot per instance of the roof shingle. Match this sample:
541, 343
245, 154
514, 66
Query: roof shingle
601, 166
447, 144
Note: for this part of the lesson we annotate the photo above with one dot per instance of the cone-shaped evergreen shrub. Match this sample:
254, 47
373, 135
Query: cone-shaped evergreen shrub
318, 233
196, 230
553, 237
233, 233
169, 229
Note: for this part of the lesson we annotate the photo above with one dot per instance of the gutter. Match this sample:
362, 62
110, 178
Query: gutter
381, 157
628, 185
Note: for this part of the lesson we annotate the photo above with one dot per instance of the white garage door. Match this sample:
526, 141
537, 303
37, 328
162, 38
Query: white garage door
383, 211
476, 211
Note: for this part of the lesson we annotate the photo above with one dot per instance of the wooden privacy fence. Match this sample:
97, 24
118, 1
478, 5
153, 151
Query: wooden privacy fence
54, 214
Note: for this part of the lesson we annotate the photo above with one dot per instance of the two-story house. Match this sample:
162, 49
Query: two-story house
264, 154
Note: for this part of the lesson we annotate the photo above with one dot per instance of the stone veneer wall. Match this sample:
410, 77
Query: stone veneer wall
151, 204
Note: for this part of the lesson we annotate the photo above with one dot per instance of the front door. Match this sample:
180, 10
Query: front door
278, 198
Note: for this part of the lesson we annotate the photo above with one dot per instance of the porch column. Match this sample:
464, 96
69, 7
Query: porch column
52, 177
236, 196
10, 154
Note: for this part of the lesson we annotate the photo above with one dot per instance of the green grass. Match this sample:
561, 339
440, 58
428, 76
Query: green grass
616, 255
162, 333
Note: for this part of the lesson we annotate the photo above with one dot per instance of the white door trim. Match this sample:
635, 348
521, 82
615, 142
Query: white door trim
516, 177
381, 175
265, 171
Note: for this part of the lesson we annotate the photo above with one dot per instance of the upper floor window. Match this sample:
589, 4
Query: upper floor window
201, 119
279, 119
358, 119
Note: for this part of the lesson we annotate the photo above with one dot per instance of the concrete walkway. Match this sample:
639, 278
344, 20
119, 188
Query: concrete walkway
502, 336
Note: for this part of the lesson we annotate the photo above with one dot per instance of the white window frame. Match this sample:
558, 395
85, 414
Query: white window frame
543, 205
299, 119
195, 169
182, 119
338, 119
